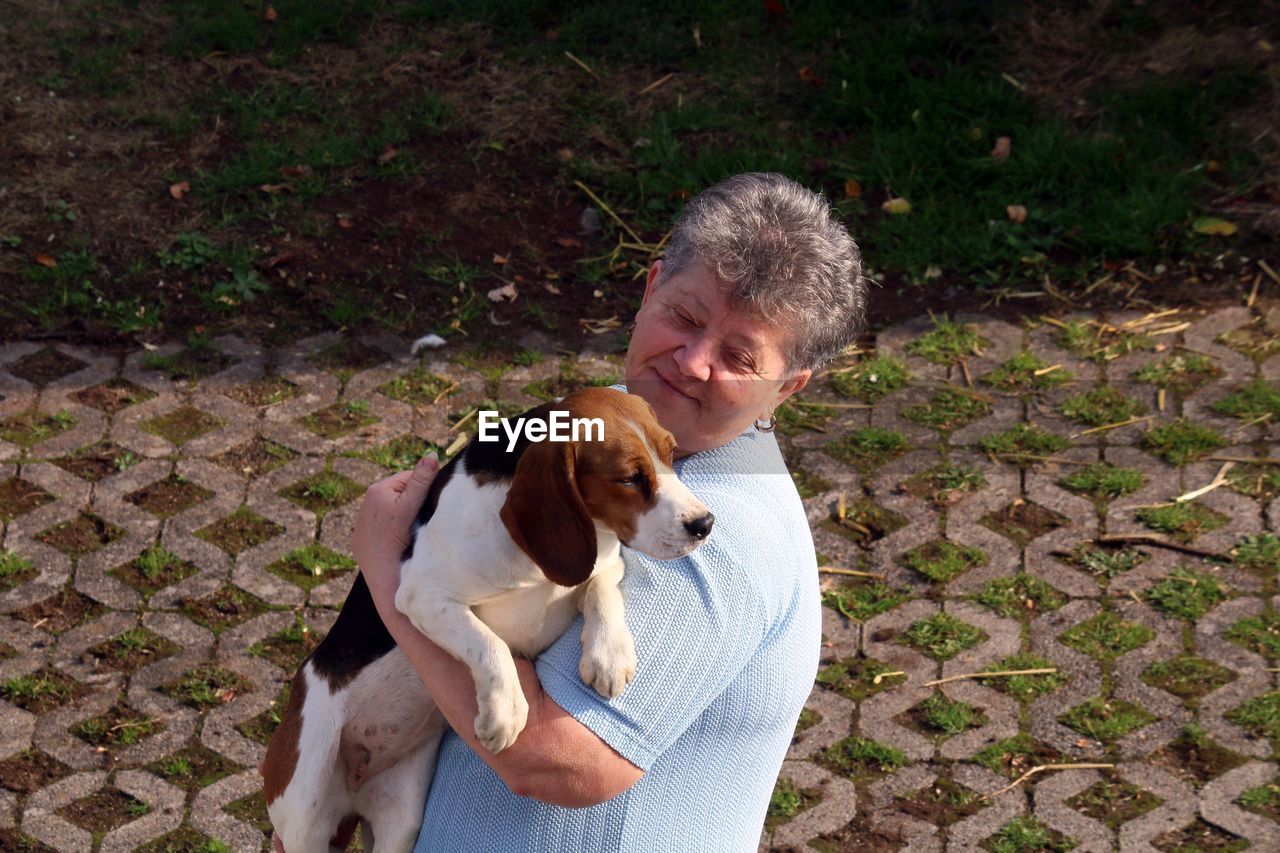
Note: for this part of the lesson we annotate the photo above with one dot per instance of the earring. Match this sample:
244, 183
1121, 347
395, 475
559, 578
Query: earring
630, 329
766, 424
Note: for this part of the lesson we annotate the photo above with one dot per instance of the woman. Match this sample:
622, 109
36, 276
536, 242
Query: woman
759, 286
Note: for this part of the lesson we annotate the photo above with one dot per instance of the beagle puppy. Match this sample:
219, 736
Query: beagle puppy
513, 540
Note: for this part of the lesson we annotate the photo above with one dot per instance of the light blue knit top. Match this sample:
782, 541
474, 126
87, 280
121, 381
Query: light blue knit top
727, 640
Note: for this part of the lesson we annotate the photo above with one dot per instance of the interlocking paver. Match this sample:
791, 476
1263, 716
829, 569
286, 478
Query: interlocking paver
229, 610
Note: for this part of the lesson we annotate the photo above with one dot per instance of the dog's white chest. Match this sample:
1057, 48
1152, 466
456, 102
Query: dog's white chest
529, 619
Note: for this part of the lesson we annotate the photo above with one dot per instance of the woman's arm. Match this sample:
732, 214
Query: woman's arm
556, 759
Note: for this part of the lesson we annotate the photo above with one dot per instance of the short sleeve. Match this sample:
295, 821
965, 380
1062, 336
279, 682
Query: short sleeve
696, 621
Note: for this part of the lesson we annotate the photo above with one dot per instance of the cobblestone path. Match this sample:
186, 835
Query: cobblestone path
175, 538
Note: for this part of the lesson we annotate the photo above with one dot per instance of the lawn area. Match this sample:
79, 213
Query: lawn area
279, 169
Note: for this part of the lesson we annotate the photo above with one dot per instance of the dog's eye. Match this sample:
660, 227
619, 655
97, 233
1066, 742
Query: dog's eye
634, 480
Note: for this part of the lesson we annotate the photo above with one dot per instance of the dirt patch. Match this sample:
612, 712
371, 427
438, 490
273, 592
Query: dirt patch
97, 461
255, 456
864, 522
1202, 837
942, 803
104, 810
132, 650
339, 419
193, 768
240, 531
194, 362
32, 427
11, 840
43, 367
42, 690
30, 770
1114, 802
65, 609
263, 392
181, 840
168, 497
17, 496
323, 492
348, 356
224, 609
119, 727
112, 396
1023, 521
147, 575
80, 535
1196, 759
253, 811
859, 835
182, 425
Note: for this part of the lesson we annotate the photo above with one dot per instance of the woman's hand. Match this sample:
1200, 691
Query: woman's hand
382, 529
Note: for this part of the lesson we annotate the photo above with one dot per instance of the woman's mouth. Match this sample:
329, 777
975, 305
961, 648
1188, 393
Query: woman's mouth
671, 387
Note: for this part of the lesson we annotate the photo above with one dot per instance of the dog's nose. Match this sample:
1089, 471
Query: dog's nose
700, 527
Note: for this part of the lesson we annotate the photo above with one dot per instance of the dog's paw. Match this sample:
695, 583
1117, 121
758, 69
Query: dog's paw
503, 715
608, 662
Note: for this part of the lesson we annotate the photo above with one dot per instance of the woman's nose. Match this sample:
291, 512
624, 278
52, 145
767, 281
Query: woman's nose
694, 359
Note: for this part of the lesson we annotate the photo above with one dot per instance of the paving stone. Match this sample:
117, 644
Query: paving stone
245, 416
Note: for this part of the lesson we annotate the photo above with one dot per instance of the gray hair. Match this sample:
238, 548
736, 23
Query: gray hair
784, 256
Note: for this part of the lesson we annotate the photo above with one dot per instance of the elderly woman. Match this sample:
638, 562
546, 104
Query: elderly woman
759, 286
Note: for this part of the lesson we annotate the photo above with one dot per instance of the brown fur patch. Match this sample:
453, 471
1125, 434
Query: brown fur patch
282, 751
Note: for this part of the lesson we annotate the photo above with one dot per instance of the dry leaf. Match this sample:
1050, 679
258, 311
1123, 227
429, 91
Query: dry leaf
896, 206
808, 75
498, 294
295, 171
388, 154
46, 260
179, 189
565, 154
494, 321
269, 14
274, 189
568, 243
852, 189
344, 222
1214, 226
499, 259
551, 288
598, 294
277, 260
1017, 213
1004, 145
599, 327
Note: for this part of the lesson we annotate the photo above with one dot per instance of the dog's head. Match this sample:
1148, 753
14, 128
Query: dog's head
616, 475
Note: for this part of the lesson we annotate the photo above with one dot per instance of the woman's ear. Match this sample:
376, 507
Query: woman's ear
546, 516
791, 386
655, 272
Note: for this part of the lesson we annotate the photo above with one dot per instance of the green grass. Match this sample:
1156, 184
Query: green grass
1260, 715
948, 342
154, 561
1259, 399
1180, 442
1022, 441
1104, 481
948, 716
14, 569
1025, 834
1266, 797
1024, 688
949, 409
1182, 521
860, 602
1015, 755
419, 387
311, 565
943, 561
1107, 636
1187, 676
401, 453
868, 446
942, 636
1181, 372
786, 802
1106, 721
1186, 594
858, 757
858, 677
945, 483
1105, 563
1259, 634
871, 379
1255, 551
1022, 594
1101, 406
208, 687
1022, 373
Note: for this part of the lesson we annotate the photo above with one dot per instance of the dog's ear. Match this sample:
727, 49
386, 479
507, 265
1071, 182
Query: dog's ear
546, 516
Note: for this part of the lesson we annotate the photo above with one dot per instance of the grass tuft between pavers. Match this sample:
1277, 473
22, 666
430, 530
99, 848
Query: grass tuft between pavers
948, 716
945, 483
1105, 563
1180, 373
942, 636
1186, 594
15, 570
871, 379
1260, 715
1182, 521
1104, 481
1020, 595
1106, 720
787, 801
858, 602
861, 758
867, 447
1258, 552
1101, 407
949, 409
1106, 636
858, 677
1181, 441
943, 561
1257, 400
948, 342
1025, 834
1025, 371
1259, 634
1023, 441
1027, 687
1187, 676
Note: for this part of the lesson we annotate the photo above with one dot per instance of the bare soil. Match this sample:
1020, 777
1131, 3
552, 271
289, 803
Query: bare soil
224, 609
103, 810
30, 770
240, 531
168, 497
96, 461
46, 365
17, 496
255, 456
1023, 521
82, 534
113, 396
65, 609
196, 767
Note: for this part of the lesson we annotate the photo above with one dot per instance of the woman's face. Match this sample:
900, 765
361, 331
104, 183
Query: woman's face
708, 371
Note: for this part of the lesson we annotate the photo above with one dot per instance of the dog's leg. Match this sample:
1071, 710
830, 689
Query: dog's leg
608, 660
451, 625
392, 802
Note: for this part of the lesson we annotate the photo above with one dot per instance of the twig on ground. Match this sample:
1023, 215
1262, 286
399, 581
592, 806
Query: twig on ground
1040, 769
1106, 427
853, 573
656, 83
1219, 479
1001, 673
607, 209
584, 66
1152, 539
